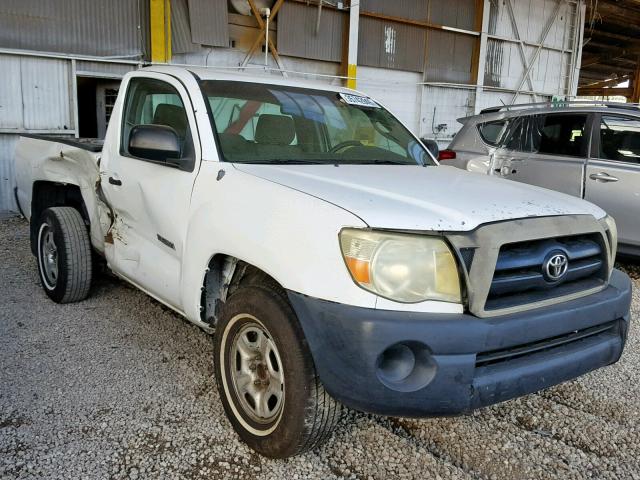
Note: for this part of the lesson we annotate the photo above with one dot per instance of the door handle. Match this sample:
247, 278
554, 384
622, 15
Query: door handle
115, 181
603, 177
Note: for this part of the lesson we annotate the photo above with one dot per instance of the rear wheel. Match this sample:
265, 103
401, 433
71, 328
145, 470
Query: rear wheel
64, 255
266, 376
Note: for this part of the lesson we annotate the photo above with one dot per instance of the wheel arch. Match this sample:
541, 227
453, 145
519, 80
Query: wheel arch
222, 276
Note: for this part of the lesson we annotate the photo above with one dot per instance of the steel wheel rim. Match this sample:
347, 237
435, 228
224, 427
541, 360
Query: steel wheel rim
256, 373
48, 256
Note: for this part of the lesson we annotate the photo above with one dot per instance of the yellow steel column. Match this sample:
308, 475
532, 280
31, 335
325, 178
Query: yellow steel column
352, 55
160, 26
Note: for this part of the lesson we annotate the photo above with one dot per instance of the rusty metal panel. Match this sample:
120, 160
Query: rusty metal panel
412, 9
391, 45
449, 57
453, 13
297, 32
7, 172
72, 26
209, 20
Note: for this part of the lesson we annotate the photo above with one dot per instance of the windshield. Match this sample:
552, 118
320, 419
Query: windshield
259, 123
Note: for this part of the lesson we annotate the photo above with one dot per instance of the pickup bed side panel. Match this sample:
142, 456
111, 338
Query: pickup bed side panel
49, 161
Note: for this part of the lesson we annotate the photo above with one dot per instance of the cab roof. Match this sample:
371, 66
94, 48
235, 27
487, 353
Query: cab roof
252, 75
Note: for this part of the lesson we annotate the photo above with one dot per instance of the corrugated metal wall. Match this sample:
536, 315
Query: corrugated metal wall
298, 36
7, 172
391, 45
412, 9
209, 22
79, 27
550, 70
449, 57
34, 96
198, 22
453, 13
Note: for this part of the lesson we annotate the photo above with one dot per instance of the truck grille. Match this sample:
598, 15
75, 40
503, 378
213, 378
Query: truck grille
520, 276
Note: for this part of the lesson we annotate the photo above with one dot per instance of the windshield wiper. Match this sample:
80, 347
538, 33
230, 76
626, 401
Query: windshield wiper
288, 162
374, 162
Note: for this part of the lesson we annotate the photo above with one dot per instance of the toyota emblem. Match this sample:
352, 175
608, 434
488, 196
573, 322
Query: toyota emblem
555, 267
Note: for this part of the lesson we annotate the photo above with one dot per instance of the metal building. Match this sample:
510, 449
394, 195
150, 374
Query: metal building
428, 61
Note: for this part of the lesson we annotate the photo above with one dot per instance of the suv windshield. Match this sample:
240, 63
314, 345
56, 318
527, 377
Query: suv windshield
260, 123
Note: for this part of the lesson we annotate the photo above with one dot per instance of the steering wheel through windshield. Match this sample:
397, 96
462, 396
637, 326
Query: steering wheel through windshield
344, 145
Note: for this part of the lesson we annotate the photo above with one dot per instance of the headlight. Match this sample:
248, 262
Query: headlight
401, 267
612, 231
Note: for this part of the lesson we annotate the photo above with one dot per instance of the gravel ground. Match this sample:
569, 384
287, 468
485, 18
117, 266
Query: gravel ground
120, 387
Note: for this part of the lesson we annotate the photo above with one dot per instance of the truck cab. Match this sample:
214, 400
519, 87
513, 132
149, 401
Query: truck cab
330, 255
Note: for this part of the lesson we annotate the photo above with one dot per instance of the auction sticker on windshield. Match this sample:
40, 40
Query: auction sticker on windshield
358, 100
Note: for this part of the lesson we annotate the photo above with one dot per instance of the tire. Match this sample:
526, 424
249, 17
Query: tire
64, 256
305, 415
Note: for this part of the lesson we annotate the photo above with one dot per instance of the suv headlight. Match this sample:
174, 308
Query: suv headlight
612, 232
401, 267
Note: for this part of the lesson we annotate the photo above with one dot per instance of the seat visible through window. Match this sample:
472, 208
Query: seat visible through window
173, 116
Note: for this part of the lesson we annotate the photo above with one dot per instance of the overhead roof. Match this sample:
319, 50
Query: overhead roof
611, 48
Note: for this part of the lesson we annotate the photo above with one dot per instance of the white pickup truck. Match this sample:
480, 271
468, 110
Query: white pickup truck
336, 261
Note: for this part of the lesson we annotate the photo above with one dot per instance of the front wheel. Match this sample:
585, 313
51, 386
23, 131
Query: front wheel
266, 376
64, 255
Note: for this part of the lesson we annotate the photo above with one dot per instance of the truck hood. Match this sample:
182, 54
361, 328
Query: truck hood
421, 198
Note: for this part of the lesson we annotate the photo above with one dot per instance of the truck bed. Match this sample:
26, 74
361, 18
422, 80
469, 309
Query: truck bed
84, 143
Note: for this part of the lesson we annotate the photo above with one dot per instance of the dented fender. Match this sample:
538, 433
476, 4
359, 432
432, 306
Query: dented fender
41, 160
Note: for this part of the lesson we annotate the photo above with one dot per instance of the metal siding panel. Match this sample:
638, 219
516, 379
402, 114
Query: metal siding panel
297, 37
209, 20
180, 29
449, 57
7, 172
72, 26
34, 93
45, 93
391, 45
10, 92
102, 68
412, 9
453, 13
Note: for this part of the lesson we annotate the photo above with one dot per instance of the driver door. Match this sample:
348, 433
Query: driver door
150, 198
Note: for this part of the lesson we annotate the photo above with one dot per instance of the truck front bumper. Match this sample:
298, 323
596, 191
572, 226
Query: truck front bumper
423, 364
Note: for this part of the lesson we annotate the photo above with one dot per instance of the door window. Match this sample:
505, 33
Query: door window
154, 102
560, 134
620, 139
518, 138
491, 132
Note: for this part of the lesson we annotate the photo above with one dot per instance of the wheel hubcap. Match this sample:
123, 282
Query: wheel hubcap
256, 373
49, 255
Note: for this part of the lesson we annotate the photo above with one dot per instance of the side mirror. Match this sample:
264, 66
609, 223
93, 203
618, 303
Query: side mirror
432, 146
155, 142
